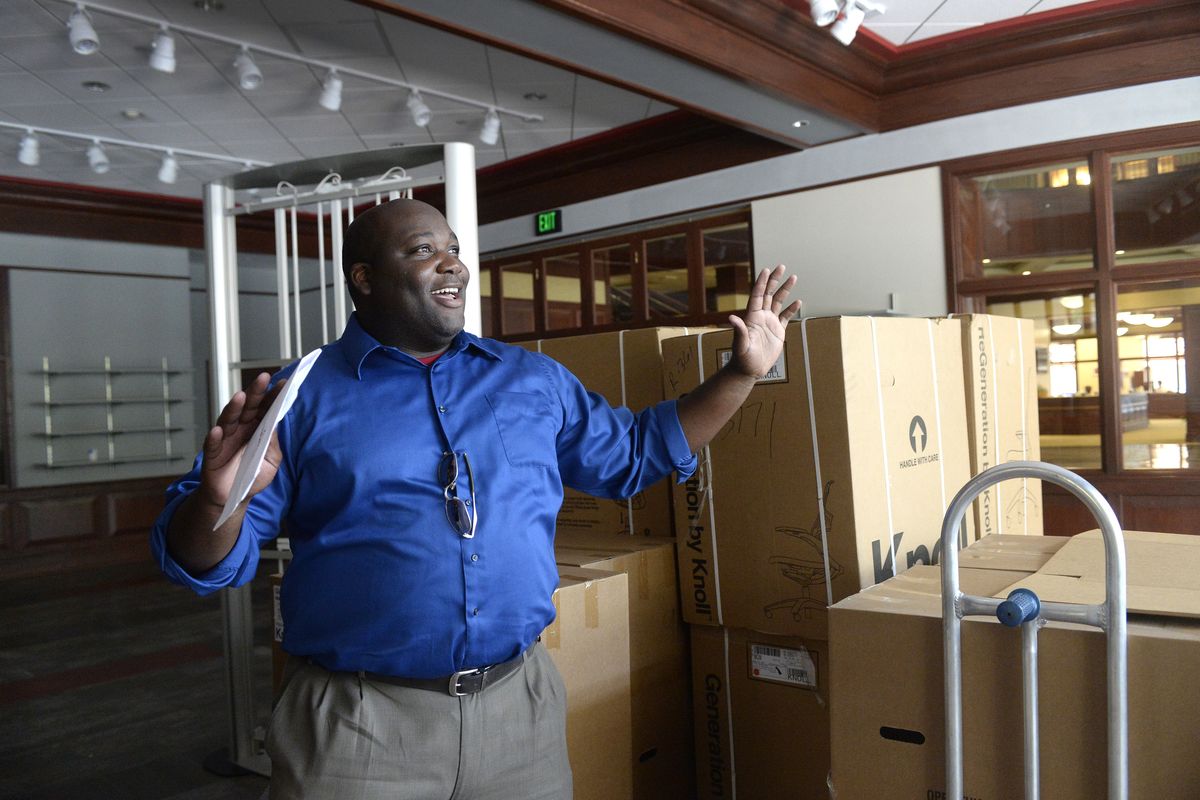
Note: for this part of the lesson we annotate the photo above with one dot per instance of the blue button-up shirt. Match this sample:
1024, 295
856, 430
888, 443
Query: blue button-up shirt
380, 580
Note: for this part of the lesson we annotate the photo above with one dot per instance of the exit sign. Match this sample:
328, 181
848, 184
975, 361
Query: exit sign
547, 222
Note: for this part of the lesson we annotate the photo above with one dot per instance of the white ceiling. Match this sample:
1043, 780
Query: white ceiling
200, 107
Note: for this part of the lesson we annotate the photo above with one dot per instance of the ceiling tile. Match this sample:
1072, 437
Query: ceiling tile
331, 41
28, 19
327, 146
65, 117
317, 11
210, 107
273, 151
932, 29
154, 112
978, 12
238, 130
179, 134
432, 57
311, 127
70, 82
26, 89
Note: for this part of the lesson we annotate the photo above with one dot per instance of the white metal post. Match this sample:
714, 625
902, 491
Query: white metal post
462, 215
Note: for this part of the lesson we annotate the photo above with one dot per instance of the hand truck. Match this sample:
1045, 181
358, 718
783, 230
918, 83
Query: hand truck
1023, 608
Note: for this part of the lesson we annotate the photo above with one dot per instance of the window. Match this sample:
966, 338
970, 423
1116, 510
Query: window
1099, 244
690, 272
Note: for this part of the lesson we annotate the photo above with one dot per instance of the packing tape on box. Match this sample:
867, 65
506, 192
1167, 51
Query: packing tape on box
591, 604
887, 473
937, 409
706, 494
812, 421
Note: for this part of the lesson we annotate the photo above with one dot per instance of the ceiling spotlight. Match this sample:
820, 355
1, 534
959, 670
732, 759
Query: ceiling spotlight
169, 170
845, 28
331, 91
824, 12
249, 75
28, 154
162, 51
420, 112
81, 33
489, 132
97, 159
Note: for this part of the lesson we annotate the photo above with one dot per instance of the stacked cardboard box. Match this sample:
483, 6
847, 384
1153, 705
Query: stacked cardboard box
625, 367
589, 643
887, 686
1002, 410
833, 476
658, 655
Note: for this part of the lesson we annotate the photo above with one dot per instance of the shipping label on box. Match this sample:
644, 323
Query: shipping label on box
625, 367
777, 523
1002, 409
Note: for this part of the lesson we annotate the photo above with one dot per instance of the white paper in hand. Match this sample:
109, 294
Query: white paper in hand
256, 448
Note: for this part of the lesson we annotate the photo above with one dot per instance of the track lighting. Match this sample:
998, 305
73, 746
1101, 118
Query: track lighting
169, 170
162, 57
856, 11
28, 153
97, 159
331, 91
162, 51
489, 132
824, 12
81, 33
420, 112
249, 75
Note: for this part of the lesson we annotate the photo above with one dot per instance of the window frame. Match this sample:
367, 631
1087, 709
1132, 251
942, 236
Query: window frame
969, 290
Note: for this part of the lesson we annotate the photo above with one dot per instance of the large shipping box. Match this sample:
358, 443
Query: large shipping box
625, 367
1002, 408
888, 705
658, 655
775, 524
589, 643
761, 705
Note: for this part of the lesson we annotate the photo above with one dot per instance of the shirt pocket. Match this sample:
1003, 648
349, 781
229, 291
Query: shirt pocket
526, 428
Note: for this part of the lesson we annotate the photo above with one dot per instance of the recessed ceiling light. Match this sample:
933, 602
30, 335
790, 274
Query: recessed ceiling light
534, 95
208, 5
132, 113
95, 86
800, 123
395, 144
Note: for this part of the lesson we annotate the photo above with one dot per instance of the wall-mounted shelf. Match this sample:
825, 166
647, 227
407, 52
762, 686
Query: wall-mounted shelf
103, 390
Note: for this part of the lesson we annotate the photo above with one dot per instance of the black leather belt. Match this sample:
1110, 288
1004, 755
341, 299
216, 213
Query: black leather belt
457, 684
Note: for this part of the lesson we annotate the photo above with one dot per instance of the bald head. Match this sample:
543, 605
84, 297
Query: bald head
371, 231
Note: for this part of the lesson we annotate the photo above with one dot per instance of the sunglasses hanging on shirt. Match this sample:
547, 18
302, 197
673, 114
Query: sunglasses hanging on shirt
462, 513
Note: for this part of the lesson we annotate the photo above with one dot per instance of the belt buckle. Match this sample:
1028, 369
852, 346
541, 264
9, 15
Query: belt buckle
456, 677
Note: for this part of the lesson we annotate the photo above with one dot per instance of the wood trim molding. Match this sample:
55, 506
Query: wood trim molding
59, 209
660, 149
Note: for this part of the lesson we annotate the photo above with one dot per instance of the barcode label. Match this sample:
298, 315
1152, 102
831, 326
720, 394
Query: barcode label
776, 374
796, 667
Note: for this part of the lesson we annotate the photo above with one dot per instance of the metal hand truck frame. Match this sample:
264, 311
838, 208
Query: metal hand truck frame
1024, 609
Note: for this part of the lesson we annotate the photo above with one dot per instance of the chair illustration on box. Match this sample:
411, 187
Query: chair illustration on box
808, 570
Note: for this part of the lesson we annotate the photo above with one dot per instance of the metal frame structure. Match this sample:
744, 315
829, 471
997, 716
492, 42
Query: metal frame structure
324, 183
1024, 609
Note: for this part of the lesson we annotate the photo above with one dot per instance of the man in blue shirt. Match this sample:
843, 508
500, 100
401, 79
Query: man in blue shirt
419, 474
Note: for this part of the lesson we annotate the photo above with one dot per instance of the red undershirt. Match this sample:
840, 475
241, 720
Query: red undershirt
430, 359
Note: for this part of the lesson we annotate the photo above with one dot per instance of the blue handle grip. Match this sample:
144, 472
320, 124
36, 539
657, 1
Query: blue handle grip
1021, 606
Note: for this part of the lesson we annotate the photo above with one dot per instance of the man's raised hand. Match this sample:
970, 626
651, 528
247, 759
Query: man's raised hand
758, 338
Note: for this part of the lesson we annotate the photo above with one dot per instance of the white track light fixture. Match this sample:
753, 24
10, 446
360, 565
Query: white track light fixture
331, 91
420, 112
28, 153
162, 51
249, 75
81, 33
824, 12
97, 159
489, 132
856, 11
169, 170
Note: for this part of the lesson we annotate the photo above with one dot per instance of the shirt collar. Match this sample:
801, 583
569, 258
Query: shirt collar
356, 344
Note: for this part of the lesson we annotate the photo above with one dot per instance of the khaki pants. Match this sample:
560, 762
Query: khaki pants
338, 736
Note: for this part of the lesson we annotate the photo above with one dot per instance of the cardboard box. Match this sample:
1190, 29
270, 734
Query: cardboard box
887, 405
887, 690
625, 367
589, 643
1002, 408
762, 715
658, 655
